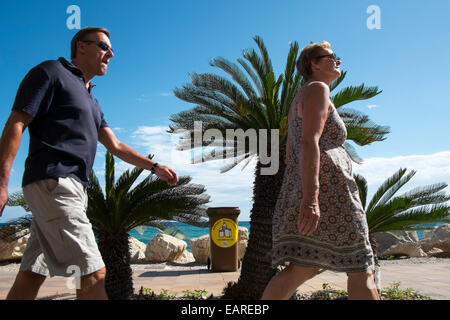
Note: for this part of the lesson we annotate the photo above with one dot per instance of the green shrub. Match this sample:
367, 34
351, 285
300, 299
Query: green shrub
395, 293
390, 293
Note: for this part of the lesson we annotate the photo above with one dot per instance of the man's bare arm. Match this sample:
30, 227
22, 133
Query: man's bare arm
9, 145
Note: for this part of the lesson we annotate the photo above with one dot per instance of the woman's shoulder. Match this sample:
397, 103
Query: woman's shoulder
316, 88
317, 85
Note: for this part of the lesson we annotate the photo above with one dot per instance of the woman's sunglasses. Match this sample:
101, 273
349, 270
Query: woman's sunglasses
331, 55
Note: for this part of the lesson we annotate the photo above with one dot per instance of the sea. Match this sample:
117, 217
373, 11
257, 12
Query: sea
195, 232
189, 231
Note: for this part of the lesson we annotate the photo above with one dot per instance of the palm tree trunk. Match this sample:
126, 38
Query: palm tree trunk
256, 269
115, 252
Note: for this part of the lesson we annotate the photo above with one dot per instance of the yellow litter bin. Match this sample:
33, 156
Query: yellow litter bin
223, 234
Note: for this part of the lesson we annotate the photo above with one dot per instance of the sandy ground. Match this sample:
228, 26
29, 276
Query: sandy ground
13, 267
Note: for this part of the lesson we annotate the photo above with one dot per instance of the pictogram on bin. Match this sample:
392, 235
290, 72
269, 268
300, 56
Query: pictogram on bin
223, 234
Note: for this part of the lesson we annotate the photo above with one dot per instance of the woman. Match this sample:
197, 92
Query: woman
319, 222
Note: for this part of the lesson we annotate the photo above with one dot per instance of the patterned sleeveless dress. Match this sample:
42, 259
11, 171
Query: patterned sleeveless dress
341, 240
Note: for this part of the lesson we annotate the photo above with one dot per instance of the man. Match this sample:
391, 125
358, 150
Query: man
65, 122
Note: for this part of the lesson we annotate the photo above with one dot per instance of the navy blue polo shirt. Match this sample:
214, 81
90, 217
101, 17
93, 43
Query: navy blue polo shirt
66, 120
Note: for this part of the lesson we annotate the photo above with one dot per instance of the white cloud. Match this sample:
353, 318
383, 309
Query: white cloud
166, 94
372, 106
143, 98
117, 129
430, 168
235, 187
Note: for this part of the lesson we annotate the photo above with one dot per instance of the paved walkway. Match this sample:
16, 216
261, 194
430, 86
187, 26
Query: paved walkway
430, 279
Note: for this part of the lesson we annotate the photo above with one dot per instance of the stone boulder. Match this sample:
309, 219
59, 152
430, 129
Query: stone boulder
137, 250
164, 248
242, 241
398, 243
185, 257
14, 250
438, 238
201, 246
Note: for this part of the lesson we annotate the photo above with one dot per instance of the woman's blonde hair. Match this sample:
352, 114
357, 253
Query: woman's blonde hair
310, 52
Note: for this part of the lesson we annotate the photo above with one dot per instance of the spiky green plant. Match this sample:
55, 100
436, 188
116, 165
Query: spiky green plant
121, 208
258, 99
410, 211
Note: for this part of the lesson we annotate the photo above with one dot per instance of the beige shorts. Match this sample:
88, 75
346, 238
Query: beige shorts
62, 242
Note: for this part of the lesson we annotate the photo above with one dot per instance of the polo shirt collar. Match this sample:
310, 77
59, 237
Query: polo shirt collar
76, 71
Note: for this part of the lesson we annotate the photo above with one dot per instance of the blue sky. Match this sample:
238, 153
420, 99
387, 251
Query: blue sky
157, 45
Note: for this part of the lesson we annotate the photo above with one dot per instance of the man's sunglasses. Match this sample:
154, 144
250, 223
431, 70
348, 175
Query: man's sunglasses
101, 44
331, 55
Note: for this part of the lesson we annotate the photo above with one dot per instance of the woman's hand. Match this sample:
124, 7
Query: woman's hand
308, 218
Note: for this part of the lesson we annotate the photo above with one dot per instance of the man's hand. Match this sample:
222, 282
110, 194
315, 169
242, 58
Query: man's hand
167, 174
9, 144
3, 198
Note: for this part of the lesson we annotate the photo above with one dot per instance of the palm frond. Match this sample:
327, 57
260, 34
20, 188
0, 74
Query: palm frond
233, 163
264, 54
109, 175
428, 194
288, 83
253, 76
352, 153
167, 228
350, 94
238, 76
16, 199
360, 129
97, 210
395, 187
361, 182
258, 65
384, 188
413, 217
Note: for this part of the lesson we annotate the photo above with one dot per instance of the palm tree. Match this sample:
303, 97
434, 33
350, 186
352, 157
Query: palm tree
112, 216
257, 99
406, 212
122, 209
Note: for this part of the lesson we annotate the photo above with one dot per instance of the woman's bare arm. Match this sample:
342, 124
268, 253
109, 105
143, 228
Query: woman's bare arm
314, 114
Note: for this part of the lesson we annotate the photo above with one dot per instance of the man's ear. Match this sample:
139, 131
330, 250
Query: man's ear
81, 47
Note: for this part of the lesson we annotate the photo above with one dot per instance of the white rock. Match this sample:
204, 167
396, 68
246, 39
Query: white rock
201, 246
242, 246
409, 249
164, 248
242, 233
441, 237
185, 257
13, 250
398, 243
137, 250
